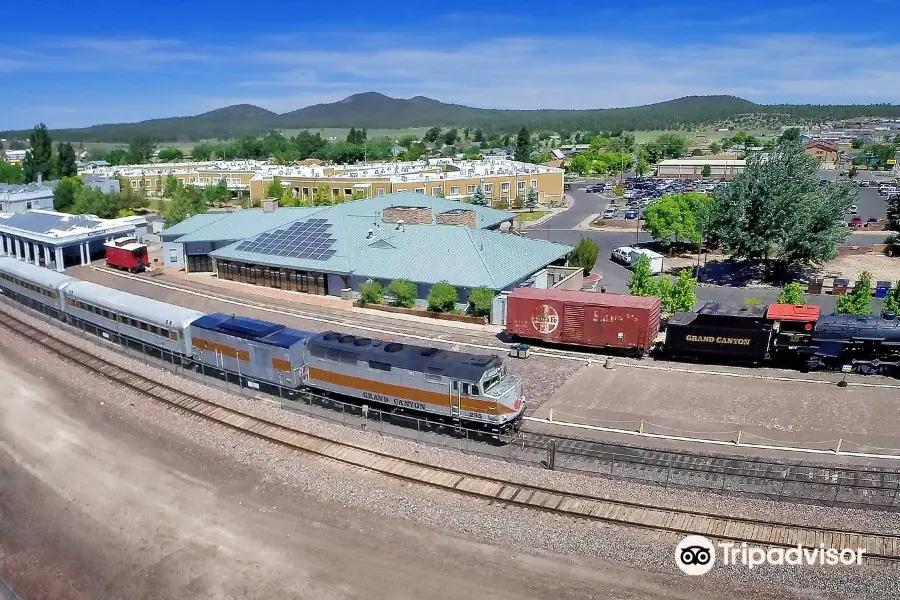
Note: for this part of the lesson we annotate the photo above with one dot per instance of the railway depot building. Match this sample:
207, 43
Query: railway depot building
501, 180
333, 250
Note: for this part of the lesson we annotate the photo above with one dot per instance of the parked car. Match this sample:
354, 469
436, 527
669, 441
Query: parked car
631, 214
622, 255
863, 183
856, 222
567, 186
610, 213
853, 209
823, 182
595, 188
872, 221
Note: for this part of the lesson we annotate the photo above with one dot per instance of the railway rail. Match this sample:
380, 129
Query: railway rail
881, 548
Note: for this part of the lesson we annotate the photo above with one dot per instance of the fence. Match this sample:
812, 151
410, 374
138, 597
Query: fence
740, 476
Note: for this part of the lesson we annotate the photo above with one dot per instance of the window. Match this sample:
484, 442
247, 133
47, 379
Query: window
333, 354
455, 386
454, 190
470, 189
28, 206
379, 366
380, 192
534, 184
504, 187
305, 191
419, 190
191, 180
349, 357
520, 186
134, 183
475, 391
488, 189
348, 192
432, 374
335, 191
436, 191
466, 389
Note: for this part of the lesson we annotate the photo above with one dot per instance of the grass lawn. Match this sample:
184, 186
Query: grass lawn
532, 216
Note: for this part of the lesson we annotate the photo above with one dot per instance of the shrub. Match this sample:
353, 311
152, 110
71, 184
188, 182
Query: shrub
404, 292
892, 300
642, 281
584, 255
753, 301
684, 294
443, 297
480, 299
792, 294
857, 301
371, 292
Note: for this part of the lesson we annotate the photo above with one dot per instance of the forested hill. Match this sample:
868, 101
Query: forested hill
376, 111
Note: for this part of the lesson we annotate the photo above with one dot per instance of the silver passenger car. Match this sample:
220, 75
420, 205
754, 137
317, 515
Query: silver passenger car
36, 287
161, 325
254, 349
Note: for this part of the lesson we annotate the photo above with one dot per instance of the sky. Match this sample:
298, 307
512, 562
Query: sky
74, 64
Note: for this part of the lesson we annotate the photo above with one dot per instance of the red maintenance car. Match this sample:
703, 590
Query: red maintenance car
588, 319
128, 254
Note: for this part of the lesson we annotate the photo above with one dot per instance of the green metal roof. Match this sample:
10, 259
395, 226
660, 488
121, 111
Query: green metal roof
484, 215
191, 224
464, 256
243, 224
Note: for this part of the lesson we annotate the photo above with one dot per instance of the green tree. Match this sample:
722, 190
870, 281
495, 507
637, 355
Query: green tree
684, 294
38, 159
273, 190
473, 155
531, 199
371, 292
10, 173
858, 301
776, 208
141, 148
642, 282
478, 136
523, 145
117, 156
171, 186
171, 155
706, 171
892, 300
584, 255
715, 148
64, 193
791, 134
792, 293
66, 165
451, 136
856, 143
215, 194
677, 217
443, 297
321, 197
478, 198
665, 291
404, 292
187, 202
480, 300
853, 172
432, 135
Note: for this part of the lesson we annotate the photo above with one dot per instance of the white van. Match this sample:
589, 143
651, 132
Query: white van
656, 259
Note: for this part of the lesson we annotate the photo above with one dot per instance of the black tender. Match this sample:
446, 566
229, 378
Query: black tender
432, 361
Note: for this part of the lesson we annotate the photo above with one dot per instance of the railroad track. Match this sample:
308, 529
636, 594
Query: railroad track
880, 548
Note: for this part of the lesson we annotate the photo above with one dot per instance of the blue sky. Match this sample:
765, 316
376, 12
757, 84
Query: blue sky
72, 64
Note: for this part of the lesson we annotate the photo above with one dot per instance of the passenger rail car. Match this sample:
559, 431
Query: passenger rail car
458, 385
33, 286
130, 317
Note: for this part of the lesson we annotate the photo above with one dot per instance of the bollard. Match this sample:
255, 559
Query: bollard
609, 363
550, 415
641, 429
738, 441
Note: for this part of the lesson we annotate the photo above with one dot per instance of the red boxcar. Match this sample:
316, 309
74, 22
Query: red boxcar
588, 319
127, 253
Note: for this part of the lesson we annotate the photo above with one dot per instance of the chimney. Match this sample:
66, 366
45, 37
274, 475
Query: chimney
40, 179
269, 205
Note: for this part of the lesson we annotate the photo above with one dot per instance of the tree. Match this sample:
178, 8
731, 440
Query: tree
478, 197
10, 173
219, 193
66, 164
171, 186
141, 148
642, 166
273, 190
715, 148
478, 136
451, 136
117, 156
677, 217
2, 152
404, 292
642, 282
856, 143
321, 197
853, 172
857, 302
791, 134
706, 171
776, 208
584, 255
443, 297
665, 291
892, 300
480, 300
523, 145
171, 155
531, 199
361, 195
432, 135
371, 292
684, 294
38, 159
792, 293
64, 193
187, 202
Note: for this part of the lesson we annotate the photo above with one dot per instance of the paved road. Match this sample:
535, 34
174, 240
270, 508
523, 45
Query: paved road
615, 276
870, 204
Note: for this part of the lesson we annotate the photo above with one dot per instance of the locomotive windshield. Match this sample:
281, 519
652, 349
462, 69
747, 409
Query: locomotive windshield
492, 383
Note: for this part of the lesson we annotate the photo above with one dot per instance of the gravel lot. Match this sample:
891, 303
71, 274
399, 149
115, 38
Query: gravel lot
181, 508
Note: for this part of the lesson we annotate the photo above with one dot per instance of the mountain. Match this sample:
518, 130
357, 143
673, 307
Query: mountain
372, 110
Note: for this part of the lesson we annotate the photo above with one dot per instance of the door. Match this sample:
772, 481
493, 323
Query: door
455, 398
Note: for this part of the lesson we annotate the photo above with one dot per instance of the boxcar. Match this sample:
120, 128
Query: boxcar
720, 333
134, 318
126, 253
256, 350
589, 319
33, 286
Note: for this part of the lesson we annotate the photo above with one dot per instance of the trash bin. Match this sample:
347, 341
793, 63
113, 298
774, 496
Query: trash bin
882, 288
519, 350
814, 287
840, 287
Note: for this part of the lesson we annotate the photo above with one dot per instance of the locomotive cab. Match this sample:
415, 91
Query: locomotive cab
792, 324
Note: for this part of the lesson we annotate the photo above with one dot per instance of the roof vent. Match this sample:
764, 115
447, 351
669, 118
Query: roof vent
346, 339
362, 341
331, 336
888, 315
370, 234
393, 347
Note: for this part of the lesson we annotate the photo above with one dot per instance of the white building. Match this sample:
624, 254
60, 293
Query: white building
16, 198
692, 168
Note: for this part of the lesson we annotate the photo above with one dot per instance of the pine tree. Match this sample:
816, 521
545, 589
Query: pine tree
531, 200
478, 197
67, 167
38, 159
523, 145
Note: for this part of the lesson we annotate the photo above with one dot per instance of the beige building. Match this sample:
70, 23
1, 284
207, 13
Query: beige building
692, 168
501, 180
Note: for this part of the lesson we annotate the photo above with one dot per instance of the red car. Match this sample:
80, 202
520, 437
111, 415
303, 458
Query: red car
856, 222
128, 254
